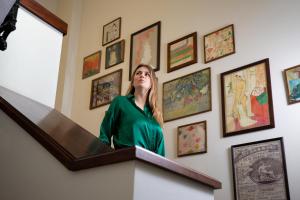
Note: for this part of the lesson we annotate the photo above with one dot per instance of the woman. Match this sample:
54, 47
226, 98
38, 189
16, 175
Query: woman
135, 119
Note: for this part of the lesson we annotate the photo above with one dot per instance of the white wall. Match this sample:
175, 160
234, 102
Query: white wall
263, 29
30, 64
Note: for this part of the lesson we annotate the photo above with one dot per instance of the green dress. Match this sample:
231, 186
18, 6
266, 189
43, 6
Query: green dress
129, 125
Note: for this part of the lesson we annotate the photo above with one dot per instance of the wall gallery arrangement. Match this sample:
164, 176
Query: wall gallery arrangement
259, 167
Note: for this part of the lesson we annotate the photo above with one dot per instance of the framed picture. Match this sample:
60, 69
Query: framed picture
191, 139
105, 89
247, 99
292, 83
91, 65
114, 54
145, 48
187, 95
219, 44
182, 52
111, 31
259, 170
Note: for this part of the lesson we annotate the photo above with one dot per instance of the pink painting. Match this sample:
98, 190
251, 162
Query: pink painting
192, 139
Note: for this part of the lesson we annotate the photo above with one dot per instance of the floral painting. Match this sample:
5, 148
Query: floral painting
219, 44
247, 99
191, 139
187, 95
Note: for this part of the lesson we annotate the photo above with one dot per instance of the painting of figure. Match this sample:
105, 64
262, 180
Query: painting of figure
247, 102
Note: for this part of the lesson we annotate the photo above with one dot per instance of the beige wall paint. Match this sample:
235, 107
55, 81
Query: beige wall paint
260, 33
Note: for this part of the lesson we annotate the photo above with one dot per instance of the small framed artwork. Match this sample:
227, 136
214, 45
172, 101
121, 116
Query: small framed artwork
145, 48
111, 31
91, 65
182, 52
114, 54
191, 139
219, 44
187, 95
259, 170
105, 89
247, 99
292, 84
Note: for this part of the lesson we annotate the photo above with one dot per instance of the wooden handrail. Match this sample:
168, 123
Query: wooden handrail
45, 15
75, 147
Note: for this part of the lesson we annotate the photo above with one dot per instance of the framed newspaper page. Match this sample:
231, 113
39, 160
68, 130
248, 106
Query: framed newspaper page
259, 170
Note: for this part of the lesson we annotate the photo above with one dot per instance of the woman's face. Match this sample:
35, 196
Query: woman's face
142, 78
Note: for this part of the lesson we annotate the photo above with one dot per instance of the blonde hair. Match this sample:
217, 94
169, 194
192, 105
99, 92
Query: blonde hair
152, 94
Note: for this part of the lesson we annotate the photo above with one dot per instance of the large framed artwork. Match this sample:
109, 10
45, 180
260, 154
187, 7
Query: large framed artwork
111, 31
114, 54
259, 170
219, 44
105, 89
182, 52
91, 65
247, 99
191, 139
187, 95
292, 84
145, 47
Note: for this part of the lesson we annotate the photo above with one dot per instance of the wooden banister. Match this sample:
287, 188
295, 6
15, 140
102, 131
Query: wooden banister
75, 147
45, 15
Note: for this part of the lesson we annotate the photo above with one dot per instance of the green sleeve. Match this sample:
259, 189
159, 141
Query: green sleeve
160, 147
107, 127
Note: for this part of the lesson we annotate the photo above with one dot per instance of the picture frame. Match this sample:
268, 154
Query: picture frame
192, 139
292, 84
145, 48
182, 52
219, 44
187, 95
114, 54
259, 170
105, 88
247, 103
111, 31
91, 65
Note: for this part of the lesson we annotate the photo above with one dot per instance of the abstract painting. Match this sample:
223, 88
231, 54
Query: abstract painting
145, 48
111, 31
91, 65
247, 99
219, 44
182, 52
105, 89
114, 54
187, 95
292, 83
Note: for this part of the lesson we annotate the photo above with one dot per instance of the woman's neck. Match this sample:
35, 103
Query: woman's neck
140, 98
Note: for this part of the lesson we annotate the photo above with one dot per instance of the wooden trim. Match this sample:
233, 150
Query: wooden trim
75, 147
45, 15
